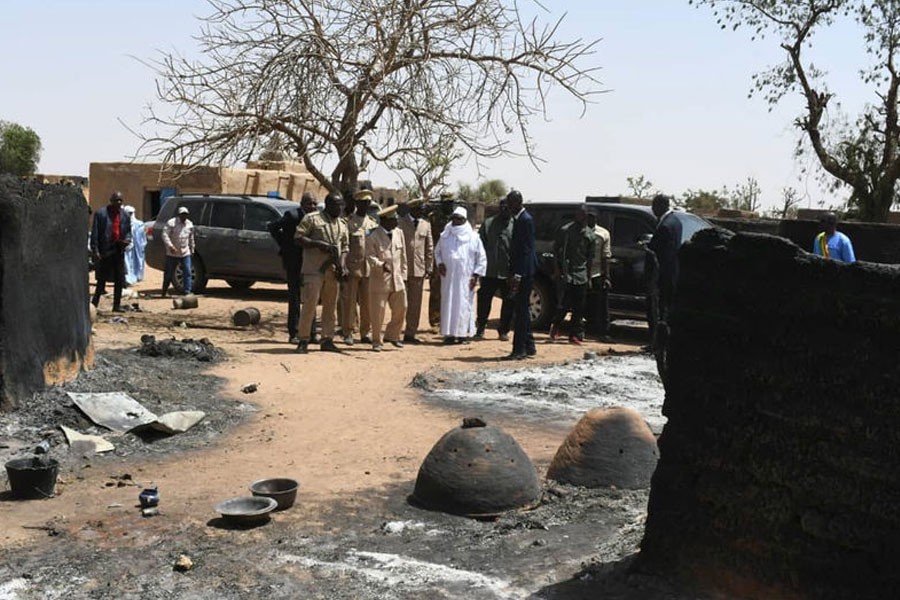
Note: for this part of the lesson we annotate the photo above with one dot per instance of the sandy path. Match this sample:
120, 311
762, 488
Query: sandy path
340, 424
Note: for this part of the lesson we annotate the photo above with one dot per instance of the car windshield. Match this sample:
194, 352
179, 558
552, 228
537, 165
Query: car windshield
690, 224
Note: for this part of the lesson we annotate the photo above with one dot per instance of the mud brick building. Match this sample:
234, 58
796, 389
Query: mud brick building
779, 471
45, 328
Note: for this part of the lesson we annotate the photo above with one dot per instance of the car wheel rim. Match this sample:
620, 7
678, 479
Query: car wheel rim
535, 304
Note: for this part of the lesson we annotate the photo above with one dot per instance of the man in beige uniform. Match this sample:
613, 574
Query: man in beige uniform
386, 253
356, 288
600, 279
420, 262
323, 236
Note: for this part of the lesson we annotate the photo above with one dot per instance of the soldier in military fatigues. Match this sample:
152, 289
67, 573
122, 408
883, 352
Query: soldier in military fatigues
323, 236
356, 287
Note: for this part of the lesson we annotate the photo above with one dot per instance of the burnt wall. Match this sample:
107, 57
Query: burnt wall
779, 470
872, 242
45, 330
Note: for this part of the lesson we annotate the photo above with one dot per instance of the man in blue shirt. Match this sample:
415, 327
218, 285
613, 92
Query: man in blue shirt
833, 244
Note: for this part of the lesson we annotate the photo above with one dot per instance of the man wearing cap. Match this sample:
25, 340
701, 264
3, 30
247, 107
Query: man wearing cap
323, 236
110, 236
356, 287
831, 243
283, 230
420, 262
386, 255
461, 260
178, 238
439, 219
495, 234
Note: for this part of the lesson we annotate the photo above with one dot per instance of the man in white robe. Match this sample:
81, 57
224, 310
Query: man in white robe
461, 260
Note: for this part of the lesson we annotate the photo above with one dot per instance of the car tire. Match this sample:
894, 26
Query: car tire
240, 284
198, 276
541, 304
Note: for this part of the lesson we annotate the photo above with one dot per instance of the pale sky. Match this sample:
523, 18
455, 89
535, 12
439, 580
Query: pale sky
677, 110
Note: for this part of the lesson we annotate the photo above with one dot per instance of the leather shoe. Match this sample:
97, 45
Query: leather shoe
409, 339
348, 340
365, 339
294, 340
303, 348
327, 345
396, 344
503, 336
377, 348
515, 356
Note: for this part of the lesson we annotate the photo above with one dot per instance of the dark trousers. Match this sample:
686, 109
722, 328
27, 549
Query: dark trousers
486, 291
599, 312
573, 300
292, 271
110, 269
523, 339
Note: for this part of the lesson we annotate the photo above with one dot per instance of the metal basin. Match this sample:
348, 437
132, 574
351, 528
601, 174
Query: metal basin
246, 510
477, 470
281, 489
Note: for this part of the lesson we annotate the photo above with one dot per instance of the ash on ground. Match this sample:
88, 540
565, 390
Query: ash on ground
553, 394
160, 384
577, 544
372, 545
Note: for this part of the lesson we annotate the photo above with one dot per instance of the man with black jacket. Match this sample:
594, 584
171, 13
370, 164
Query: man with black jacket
110, 236
523, 266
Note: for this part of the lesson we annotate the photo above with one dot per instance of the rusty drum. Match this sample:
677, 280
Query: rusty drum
477, 470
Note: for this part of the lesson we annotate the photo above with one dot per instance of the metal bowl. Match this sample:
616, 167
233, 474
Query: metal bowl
281, 489
245, 510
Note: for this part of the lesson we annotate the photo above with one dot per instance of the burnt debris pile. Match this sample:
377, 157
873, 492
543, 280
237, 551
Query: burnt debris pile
778, 464
45, 328
202, 349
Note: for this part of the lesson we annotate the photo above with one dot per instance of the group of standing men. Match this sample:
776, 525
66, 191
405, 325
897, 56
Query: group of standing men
360, 268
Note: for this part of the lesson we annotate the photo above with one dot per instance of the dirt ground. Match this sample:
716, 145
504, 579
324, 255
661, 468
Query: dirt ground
351, 427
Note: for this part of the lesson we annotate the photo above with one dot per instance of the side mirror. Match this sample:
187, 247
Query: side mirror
644, 239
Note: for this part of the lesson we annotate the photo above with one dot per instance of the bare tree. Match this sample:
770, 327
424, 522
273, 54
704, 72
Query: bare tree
864, 156
351, 80
429, 164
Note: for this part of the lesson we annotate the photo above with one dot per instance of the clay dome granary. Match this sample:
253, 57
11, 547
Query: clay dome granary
477, 470
608, 447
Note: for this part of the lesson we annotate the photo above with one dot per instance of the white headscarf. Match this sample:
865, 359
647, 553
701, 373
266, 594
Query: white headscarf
461, 233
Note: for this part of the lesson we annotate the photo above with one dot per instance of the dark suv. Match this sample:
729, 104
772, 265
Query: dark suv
231, 239
630, 226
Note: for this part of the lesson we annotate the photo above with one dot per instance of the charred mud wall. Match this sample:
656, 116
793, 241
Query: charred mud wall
45, 330
872, 242
779, 470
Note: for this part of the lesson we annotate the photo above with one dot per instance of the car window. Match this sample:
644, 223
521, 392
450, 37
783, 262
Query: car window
226, 214
627, 231
548, 220
690, 224
257, 216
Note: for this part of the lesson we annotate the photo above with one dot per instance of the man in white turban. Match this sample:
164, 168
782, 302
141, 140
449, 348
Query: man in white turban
461, 260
